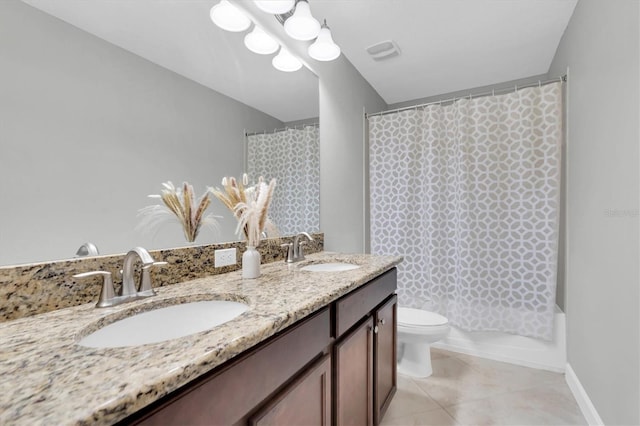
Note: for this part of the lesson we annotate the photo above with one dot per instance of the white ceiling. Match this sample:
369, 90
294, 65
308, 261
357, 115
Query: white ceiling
446, 45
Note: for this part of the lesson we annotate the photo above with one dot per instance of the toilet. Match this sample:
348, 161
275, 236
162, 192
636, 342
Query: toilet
417, 330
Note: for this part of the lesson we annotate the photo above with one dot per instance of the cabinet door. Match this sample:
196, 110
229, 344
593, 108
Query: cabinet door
385, 357
307, 401
353, 358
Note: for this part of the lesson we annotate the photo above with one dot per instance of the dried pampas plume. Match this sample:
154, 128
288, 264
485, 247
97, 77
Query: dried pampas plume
249, 205
180, 204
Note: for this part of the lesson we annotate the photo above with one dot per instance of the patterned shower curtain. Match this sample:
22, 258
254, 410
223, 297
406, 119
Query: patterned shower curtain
469, 194
292, 157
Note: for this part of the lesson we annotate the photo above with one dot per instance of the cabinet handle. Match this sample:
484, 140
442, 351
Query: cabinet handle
381, 321
375, 330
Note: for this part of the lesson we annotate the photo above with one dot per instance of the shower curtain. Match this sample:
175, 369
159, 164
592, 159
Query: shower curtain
292, 157
469, 194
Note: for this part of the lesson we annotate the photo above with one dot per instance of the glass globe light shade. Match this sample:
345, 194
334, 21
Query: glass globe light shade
275, 7
285, 61
324, 48
260, 42
228, 17
301, 25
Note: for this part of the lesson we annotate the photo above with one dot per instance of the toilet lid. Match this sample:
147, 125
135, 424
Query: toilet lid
418, 317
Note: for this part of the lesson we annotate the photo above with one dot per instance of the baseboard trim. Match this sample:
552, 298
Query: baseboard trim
584, 402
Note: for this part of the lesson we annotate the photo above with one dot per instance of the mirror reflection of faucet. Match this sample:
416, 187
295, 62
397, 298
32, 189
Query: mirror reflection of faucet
87, 249
128, 292
295, 250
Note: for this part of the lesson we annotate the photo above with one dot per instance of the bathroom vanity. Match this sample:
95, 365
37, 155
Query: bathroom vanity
314, 348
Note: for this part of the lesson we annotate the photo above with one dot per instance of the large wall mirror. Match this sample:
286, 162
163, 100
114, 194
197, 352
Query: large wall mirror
292, 156
101, 102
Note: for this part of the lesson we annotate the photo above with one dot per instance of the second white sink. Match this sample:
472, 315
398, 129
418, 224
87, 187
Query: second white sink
163, 324
330, 267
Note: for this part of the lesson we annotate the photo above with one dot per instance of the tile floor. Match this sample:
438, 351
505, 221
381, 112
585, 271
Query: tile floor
466, 390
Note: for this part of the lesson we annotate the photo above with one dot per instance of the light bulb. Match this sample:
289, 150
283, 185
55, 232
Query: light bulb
228, 17
285, 61
301, 25
275, 7
260, 42
324, 48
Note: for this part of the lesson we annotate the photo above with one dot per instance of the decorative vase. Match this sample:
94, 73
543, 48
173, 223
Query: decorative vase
251, 263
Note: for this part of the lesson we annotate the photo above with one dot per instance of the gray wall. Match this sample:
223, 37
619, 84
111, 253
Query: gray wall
88, 130
600, 48
344, 97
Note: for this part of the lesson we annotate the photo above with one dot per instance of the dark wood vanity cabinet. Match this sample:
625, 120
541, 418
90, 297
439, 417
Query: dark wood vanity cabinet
365, 355
385, 357
337, 366
353, 358
307, 401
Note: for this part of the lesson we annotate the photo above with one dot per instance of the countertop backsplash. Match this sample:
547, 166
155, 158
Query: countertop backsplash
37, 288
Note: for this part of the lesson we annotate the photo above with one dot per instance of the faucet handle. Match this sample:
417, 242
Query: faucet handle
145, 280
107, 293
289, 255
301, 245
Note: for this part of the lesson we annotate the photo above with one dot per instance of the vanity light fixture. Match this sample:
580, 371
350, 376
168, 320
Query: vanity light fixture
324, 48
285, 61
275, 7
228, 17
258, 41
302, 25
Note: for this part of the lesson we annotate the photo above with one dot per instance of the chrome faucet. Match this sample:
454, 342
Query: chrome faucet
295, 251
128, 291
128, 286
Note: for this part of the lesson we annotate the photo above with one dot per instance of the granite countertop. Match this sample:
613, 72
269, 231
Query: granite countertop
45, 378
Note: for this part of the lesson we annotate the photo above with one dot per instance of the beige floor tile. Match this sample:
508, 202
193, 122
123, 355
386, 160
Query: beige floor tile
477, 391
439, 353
454, 381
409, 399
544, 405
437, 417
513, 377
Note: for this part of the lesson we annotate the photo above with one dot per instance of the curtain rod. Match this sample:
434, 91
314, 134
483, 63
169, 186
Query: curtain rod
300, 126
562, 78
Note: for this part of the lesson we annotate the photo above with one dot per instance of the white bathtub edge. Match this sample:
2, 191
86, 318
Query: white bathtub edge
497, 357
582, 398
519, 350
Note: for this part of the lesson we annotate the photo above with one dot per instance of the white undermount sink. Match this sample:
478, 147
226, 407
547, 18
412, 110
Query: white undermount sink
164, 324
330, 267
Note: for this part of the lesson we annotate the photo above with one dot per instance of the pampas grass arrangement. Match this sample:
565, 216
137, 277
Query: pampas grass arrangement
180, 204
249, 205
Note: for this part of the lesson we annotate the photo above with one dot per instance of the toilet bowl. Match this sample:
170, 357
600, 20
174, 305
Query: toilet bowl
417, 330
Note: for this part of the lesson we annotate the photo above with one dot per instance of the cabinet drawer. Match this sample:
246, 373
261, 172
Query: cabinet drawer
227, 396
307, 401
350, 309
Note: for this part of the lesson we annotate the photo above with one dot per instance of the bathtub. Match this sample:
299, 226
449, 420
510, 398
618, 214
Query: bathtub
511, 348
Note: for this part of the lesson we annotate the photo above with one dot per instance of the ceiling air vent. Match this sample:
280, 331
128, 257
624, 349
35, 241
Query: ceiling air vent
383, 50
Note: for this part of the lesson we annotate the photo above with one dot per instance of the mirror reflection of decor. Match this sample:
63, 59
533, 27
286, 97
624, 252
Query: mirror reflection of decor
292, 157
178, 204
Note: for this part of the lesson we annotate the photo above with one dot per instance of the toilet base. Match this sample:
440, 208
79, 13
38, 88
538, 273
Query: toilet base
414, 359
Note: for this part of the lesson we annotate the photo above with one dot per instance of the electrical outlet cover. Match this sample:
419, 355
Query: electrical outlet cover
224, 257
